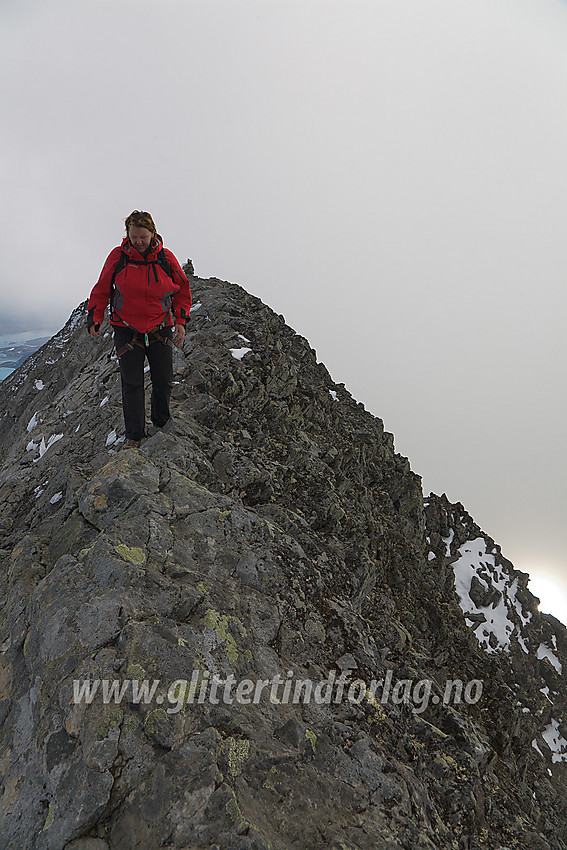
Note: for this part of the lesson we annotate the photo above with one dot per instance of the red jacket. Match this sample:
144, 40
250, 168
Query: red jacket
144, 294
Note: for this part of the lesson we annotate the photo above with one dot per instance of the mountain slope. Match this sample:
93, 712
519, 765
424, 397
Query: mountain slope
271, 535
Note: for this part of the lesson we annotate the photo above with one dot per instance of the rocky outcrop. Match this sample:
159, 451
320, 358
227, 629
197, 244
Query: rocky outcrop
252, 632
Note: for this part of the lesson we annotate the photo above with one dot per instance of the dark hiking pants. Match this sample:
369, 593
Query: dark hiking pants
159, 352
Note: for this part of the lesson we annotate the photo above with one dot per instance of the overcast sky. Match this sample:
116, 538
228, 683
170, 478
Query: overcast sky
388, 174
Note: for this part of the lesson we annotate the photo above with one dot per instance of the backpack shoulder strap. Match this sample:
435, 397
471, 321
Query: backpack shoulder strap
122, 260
164, 263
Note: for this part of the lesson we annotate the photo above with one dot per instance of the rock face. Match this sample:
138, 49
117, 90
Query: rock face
253, 632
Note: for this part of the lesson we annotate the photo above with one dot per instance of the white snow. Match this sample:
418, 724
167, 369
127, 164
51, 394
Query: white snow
111, 439
238, 353
447, 541
103, 402
31, 446
43, 447
33, 422
243, 338
39, 385
475, 561
431, 556
146, 368
535, 746
543, 651
545, 692
555, 741
56, 498
333, 395
195, 306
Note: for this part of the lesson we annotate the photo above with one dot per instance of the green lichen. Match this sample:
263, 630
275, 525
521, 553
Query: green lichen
433, 728
268, 783
311, 737
375, 705
84, 552
50, 817
237, 752
130, 724
133, 554
219, 623
110, 720
153, 719
136, 671
233, 809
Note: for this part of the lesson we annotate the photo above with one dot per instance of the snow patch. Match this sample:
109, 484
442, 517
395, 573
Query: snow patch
555, 741
33, 422
56, 498
543, 651
39, 385
43, 446
545, 692
238, 353
475, 562
447, 541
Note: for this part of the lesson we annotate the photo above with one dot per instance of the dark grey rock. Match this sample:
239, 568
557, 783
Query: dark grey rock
268, 534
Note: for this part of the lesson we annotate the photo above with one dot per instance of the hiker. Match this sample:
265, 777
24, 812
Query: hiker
150, 300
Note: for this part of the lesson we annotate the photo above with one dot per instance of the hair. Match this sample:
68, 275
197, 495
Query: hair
138, 218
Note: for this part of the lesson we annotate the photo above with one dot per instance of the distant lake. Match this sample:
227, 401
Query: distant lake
23, 345
25, 336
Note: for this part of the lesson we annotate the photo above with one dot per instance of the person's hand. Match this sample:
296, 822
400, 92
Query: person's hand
94, 330
179, 335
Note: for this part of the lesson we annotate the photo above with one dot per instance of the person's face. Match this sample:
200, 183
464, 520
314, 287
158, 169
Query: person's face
140, 237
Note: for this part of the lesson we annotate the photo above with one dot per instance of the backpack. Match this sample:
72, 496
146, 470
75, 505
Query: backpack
123, 261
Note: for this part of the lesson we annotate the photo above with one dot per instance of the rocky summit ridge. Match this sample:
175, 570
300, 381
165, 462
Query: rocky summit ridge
336, 662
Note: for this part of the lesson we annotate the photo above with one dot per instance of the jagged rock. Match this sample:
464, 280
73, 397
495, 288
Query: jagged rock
265, 549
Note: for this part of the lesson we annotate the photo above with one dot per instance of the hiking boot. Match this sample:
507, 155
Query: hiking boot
132, 444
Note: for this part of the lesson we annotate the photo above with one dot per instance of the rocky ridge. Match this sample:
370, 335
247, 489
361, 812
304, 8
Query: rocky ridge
270, 533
